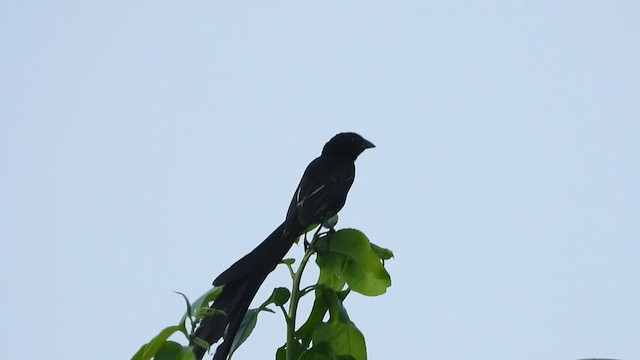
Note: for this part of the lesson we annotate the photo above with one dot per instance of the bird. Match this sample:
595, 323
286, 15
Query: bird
321, 194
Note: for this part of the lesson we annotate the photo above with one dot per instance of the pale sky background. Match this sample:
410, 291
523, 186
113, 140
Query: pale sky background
146, 145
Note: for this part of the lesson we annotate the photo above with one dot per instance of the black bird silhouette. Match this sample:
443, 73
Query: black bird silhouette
320, 195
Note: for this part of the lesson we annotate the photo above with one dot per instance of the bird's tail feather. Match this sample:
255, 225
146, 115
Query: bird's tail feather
242, 281
267, 254
237, 315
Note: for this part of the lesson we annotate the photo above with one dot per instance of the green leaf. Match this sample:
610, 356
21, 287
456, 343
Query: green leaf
383, 254
150, 349
331, 265
319, 309
343, 294
202, 302
347, 256
337, 311
345, 339
140, 354
325, 301
189, 312
207, 312
288, 261
246, 328
248, 323
201, 343
280, 296
281, 353
320, 351
172, 350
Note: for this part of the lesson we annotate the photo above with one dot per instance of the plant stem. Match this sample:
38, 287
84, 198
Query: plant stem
293, 303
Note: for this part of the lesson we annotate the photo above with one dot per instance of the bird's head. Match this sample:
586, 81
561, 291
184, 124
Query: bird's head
347, 144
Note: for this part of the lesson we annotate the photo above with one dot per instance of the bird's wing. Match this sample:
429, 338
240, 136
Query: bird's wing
322, 194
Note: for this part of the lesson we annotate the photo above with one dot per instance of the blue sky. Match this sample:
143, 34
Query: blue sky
147, 145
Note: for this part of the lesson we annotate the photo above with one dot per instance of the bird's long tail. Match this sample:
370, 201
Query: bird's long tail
242, 281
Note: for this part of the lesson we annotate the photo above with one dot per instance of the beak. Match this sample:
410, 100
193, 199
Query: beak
366, 144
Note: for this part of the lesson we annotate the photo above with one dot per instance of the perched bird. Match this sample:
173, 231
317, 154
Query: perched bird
321, 194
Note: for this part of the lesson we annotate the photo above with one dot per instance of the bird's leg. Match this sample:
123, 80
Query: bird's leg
314, 240
306, 243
